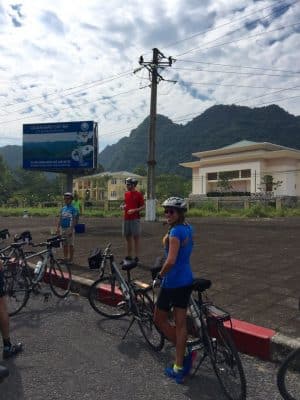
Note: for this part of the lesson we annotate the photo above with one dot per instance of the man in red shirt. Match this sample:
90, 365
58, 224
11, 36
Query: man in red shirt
133, 204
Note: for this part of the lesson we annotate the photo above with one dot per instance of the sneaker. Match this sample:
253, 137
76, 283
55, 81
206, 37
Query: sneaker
177, 376
12, 350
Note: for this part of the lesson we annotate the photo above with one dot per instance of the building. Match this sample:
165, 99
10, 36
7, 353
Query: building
106, 185
247, 165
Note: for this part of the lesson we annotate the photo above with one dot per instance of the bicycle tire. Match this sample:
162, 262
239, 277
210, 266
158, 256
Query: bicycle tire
145, 311
60, 278
226, 362
287, 390
106, 298
17, 291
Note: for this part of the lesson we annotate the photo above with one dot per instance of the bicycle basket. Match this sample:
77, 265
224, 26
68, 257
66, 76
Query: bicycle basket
215, 312
95, 258
55, 241
24, 237
4, 234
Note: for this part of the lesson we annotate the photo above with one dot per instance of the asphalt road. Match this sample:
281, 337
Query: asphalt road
72, 353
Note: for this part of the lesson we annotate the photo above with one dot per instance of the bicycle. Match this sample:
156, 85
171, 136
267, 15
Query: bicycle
114, 297
214, 341
20, 279
288, 376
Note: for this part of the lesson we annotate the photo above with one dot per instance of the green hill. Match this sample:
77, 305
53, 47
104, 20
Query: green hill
218, 126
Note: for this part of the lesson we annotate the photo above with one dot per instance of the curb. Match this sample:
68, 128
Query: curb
250, 339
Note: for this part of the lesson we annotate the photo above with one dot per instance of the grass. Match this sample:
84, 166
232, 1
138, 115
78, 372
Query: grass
208, 210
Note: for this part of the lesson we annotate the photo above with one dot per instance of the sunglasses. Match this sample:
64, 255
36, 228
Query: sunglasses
170, 211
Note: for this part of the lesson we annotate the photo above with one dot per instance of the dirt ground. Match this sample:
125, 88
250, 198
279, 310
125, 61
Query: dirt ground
253, 263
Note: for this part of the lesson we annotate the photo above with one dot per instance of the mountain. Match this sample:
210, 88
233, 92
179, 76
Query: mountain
218, 126
12, 155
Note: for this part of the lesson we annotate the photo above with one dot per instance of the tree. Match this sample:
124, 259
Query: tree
6, 181
223, 183
140, 170
269, 184
172, 185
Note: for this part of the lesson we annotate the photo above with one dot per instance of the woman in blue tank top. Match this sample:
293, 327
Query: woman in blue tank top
176, 280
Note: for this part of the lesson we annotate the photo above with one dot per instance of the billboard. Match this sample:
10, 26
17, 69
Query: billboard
60, 146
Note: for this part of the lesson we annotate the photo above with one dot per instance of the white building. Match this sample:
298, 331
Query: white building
246, 164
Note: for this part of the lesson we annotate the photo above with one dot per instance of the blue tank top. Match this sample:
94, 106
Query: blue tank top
181, 272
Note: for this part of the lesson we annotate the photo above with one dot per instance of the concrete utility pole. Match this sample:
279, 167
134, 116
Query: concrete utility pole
155, 78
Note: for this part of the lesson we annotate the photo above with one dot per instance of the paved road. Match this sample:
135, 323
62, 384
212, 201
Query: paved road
72, 353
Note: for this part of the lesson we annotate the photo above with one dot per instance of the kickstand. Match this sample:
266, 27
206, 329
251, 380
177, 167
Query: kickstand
129, 327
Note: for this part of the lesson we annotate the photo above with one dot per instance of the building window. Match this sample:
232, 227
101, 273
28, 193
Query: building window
246, 173
212, 176
113, 193
229, 174
113, 181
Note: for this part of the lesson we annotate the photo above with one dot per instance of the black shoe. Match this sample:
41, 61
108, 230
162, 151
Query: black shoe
12, 350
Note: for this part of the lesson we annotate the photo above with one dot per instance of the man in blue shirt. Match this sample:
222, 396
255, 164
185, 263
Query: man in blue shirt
67, 220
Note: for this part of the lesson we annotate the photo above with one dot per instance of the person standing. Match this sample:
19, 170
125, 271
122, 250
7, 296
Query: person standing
133, 204
76, 203
65, 226
175, 279
9, 349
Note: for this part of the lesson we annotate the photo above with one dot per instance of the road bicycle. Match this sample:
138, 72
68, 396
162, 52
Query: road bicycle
214, 341
288, 376
21, 278
114, 297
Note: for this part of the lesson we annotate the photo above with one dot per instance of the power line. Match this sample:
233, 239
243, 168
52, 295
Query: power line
232, 22
235, 40
238, 66
59, 95
231, 85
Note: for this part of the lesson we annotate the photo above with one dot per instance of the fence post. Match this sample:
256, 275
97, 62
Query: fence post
246, 204
278, 203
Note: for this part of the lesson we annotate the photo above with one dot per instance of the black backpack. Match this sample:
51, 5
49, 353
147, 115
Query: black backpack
95, 258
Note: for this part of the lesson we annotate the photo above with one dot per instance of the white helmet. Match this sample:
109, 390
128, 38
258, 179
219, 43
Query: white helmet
131, 181
175, 202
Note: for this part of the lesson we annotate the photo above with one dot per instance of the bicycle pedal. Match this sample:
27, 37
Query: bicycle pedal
122, 305
47, 297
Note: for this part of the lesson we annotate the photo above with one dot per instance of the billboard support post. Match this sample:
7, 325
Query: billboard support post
70, 182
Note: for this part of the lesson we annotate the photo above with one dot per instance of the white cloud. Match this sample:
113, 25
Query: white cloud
67, 60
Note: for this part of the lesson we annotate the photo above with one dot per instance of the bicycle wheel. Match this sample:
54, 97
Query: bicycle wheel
16, 289
288, 377
145, 311
60, 278
106, 297
226, 362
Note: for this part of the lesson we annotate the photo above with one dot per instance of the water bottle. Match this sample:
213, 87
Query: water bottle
195, 316
38, 268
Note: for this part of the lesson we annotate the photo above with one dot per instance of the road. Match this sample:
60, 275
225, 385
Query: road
72, 353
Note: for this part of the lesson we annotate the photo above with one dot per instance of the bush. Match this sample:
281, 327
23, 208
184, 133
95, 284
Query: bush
227, 194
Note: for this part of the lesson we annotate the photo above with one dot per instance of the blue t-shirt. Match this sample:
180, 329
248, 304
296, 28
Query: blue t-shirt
67, 215
181, 272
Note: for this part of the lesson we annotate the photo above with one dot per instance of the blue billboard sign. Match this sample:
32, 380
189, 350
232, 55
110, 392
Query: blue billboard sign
60, 146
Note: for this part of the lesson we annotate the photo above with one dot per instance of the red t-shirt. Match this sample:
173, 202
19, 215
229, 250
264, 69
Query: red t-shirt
133, 199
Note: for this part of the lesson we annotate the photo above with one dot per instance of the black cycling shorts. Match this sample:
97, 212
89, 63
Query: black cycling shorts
1, 284
173, 297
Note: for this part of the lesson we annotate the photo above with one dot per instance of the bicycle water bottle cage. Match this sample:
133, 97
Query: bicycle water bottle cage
127, 265
200, 285
4, 234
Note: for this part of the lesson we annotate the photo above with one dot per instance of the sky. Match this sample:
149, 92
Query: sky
74, 60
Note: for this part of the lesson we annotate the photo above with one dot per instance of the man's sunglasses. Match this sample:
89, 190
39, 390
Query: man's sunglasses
170, 211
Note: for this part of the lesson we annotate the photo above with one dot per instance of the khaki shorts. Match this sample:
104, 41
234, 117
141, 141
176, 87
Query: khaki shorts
68, 234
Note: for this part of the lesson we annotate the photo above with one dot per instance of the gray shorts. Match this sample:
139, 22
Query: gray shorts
132, 227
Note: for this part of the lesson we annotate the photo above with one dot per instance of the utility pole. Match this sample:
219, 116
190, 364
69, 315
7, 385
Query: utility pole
155, 78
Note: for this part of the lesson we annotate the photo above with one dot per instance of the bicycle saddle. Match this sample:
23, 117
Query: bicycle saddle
3, 372
127, 265
201, 284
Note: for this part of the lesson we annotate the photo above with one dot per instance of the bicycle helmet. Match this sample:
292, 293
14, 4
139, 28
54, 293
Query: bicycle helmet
175, 202
131, 181
68, 194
